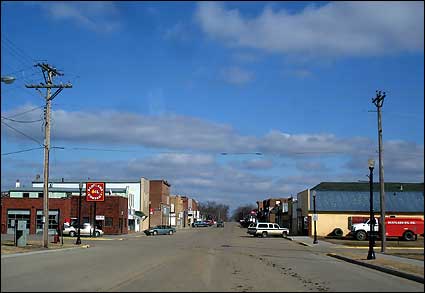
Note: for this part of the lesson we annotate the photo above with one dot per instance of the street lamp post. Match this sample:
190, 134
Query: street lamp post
79, 214
371, 253
314, 217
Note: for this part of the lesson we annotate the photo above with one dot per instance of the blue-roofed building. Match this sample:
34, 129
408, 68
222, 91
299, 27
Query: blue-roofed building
339, 203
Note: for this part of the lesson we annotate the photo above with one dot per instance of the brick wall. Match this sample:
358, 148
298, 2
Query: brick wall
33, 204
111, 207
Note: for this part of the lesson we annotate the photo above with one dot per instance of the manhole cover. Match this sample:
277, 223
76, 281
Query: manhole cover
225, 245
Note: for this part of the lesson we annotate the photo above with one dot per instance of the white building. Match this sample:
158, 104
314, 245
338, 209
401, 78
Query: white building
137, 193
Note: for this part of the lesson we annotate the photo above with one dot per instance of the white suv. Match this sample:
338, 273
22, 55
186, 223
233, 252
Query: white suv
267, 229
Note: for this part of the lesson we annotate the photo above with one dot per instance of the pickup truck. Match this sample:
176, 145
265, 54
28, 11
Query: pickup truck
403, 227
267, 229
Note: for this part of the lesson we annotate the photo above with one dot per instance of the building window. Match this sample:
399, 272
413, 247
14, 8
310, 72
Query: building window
26, 194
108, 222
40, 194
86, 220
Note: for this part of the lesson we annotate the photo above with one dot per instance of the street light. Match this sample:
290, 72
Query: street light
7, 79
79, 214
314, 217
371, 253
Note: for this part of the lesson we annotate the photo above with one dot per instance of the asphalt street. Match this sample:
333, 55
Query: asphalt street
202, 259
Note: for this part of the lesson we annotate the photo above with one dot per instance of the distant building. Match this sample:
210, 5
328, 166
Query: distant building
339, 203
160, 202
137, 194
176, 211
274, 210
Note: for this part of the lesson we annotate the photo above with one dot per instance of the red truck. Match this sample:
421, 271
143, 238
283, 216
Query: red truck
403, 227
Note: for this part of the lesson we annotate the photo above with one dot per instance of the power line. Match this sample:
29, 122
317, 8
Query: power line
21, 151
22, 121
19, 50
24, 134
19, 114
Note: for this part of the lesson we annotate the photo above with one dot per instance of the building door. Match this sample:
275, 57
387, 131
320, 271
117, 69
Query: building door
131, 225
53, 221
12, 219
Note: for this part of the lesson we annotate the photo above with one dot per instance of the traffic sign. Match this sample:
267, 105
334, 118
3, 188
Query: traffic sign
95, 191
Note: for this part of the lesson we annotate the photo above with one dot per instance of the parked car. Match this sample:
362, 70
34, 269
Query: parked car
200, 224
69, 230
267, 229
85, 230
160, 230
210, 222
220, 224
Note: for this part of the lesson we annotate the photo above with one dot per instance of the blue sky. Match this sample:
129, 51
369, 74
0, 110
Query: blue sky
170, 85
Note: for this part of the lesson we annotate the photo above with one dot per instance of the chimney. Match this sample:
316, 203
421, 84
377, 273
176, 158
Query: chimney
18, 184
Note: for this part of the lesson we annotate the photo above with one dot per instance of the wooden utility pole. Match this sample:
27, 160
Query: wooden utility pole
379, 101
48, 73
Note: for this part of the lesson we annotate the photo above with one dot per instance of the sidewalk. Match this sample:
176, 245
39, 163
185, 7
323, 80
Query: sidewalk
412, 269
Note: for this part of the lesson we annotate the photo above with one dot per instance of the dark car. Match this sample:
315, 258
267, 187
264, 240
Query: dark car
160, 230
220, 224
200, 224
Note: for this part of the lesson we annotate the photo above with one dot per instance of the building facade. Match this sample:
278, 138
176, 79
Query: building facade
27, 204
137, 195
338, 203
159, 192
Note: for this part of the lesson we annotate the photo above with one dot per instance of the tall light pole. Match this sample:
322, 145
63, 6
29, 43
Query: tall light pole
314, 217
371, 253
79, 213
379, 102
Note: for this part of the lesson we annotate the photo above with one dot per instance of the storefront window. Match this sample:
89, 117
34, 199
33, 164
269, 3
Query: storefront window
108, 222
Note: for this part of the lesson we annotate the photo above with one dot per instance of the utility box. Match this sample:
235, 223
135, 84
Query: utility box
21, 234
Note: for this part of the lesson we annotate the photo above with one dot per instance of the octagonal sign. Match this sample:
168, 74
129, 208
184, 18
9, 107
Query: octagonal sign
95, 191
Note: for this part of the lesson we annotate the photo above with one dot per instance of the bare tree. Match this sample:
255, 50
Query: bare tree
242, 211
214, 211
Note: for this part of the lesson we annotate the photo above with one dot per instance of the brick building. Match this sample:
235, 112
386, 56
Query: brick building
159, 193
177, 211
27, 204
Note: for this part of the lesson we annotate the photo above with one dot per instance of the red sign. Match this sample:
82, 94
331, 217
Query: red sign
95, 191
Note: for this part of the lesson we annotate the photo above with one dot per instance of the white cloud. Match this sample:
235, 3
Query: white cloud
311, 166
255, 164
236, 75
332, 29
190, 161
99, 16
178, 31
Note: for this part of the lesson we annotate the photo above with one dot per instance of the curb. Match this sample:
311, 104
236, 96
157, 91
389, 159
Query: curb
382, 269
301, 243
41, 251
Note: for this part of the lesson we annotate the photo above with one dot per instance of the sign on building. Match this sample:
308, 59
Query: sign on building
95, 191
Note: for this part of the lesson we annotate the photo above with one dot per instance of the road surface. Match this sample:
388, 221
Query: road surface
198, 259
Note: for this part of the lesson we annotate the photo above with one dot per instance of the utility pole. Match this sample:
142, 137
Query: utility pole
379, 101
48, 73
